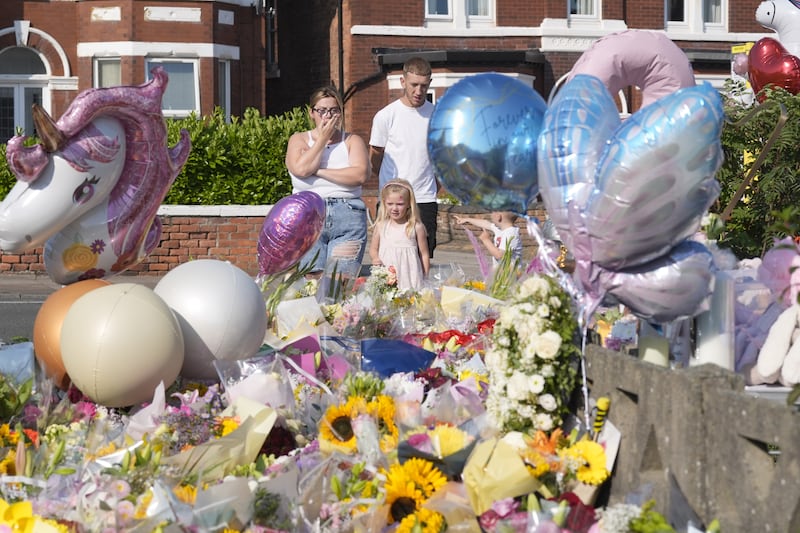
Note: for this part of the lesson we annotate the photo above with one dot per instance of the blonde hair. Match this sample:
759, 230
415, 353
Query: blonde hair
402, 187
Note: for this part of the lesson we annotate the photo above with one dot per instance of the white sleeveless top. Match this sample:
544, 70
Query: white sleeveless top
334, 155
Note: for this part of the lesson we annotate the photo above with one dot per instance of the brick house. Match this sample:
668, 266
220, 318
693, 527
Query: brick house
536, 41
50, 50
270, 54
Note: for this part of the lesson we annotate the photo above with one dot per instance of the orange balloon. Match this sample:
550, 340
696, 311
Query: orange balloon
47, 328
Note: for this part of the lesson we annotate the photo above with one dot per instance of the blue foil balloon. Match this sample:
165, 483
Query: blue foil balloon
482, 141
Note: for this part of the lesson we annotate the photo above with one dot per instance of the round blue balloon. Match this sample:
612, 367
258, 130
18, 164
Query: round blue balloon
482, 141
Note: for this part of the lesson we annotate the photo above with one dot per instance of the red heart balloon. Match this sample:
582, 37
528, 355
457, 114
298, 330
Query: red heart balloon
771, 64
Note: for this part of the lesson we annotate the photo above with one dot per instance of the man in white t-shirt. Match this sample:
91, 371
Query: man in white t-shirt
399, 142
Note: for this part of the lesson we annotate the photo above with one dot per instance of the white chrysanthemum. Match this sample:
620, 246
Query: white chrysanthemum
548, 344
537, 383
543, 310
527, 355
543, 421
548, 402
547, 371
518, 387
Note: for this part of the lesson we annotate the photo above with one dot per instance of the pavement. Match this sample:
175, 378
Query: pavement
37, 287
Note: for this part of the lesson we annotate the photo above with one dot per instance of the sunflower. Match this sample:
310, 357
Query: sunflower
591, 459
336, 429
382, 409
402, 495
424, 521
424, 475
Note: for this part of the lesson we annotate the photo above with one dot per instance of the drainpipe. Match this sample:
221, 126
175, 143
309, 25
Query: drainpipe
341, 48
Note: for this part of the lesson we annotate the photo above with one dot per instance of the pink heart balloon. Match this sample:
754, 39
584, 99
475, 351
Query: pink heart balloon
290, 229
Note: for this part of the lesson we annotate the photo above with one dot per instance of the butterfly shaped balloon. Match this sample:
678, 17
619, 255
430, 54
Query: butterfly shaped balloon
626, 197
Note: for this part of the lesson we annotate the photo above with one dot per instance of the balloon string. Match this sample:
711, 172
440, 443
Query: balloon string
726, 214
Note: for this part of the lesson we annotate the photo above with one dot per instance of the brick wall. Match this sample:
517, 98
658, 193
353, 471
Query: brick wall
230, 233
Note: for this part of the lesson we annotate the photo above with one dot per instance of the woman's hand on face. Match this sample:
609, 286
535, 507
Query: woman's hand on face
328, 128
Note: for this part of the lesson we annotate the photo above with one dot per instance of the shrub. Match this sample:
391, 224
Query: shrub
236, 163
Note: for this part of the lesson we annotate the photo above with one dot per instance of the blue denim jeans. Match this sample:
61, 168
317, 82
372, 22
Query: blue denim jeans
343, 240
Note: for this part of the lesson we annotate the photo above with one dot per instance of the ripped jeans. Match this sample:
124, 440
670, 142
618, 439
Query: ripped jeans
343, 240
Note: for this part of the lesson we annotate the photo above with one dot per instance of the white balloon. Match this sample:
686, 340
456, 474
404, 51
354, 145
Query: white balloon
220, 310
119, 342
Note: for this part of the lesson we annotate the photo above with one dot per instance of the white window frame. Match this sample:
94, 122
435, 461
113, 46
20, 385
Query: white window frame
458, 18
96, 62
224, 83
151, 61
596, 10
693, 12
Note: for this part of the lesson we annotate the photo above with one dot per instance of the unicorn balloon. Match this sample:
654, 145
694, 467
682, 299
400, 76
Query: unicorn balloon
782, 16
90, 191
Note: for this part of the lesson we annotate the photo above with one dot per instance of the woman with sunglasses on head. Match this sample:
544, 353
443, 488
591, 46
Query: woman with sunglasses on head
334, 164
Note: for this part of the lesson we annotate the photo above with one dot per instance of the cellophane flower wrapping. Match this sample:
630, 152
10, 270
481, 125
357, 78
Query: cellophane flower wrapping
532, 360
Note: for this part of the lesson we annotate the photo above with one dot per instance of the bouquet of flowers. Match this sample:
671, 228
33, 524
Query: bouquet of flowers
531, 358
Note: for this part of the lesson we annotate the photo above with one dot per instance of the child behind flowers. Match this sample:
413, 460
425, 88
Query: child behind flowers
399, 238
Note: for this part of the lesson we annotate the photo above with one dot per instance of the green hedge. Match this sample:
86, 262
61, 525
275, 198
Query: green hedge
236, 163
242, 163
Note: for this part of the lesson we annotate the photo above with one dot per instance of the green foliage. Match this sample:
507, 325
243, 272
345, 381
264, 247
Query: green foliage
772, 197
240, 163
236, 163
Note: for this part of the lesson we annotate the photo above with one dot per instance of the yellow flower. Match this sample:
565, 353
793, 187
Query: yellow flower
425, 475
535, 462
186, 493
336, 427
142, 503
228, 425
382, 408
402, 495
8, 464
591, 459
448, 439
423, 521
19, 517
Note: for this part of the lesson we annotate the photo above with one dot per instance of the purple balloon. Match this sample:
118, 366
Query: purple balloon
290, 229
675, 286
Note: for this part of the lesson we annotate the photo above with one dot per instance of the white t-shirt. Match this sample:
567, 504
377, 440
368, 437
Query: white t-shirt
506, 239
402, 132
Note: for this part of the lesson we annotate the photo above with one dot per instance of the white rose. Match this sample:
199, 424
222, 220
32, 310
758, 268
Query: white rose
555, 302
548, 402
548, 344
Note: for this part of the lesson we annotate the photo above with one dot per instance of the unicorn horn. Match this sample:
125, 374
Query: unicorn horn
46, 129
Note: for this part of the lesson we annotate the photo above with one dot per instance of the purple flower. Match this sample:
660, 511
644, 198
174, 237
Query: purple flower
97, 246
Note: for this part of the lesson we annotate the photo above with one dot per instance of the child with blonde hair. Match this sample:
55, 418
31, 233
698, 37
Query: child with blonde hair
399, 238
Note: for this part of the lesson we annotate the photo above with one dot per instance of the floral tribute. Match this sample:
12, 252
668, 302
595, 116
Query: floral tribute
300, 438
532, 358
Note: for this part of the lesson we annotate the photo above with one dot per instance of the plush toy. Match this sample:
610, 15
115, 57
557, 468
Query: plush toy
778, 358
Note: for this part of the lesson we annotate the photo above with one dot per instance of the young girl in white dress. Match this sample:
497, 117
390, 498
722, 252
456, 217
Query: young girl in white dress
399, 238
